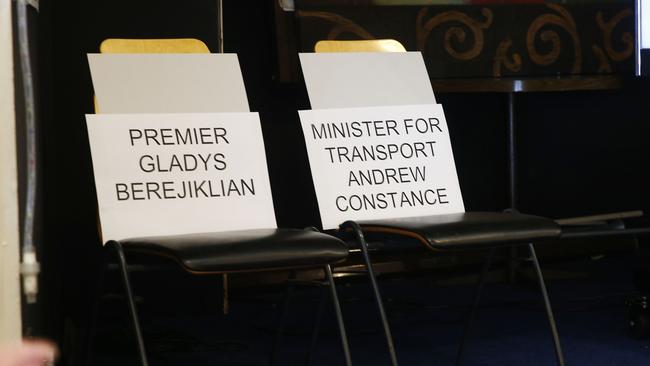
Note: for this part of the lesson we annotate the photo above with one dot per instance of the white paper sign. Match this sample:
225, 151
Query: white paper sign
167, 174
168, 83
381, 162
644, 23
368, 79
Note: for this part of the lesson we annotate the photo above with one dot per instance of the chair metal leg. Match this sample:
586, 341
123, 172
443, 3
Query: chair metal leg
339, 315
373, 281
129, 295
472, 313
316, 327
547, 304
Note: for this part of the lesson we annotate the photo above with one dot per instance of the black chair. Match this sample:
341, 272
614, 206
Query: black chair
220, 253
455, 232
234, 251
475, 230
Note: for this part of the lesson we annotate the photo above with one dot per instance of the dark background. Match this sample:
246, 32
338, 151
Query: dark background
580, 152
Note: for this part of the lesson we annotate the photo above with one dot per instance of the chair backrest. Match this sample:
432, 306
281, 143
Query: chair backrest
394, 77
146, 65
179, 45
157, 64
176, 45
371, 45
360, 76
120, 45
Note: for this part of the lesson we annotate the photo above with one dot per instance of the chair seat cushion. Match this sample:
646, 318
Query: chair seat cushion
246, 250
467, 230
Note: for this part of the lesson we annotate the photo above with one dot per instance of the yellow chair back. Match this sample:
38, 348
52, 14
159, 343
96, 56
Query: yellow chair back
176, 45
371, 45
179, 45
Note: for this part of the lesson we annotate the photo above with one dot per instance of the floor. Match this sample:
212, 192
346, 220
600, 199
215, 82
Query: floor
426, 318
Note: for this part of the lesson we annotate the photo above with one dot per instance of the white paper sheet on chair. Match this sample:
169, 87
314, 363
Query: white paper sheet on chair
167, 83
381, 162
166, 174
365, 79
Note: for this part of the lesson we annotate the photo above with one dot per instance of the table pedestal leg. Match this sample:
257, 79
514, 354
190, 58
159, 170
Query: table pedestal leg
513, 260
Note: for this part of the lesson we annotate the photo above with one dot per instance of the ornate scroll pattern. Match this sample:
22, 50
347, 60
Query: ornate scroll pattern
501, 59
342, 24
603, 61
483, 41
457, 33
562, 19
608, 29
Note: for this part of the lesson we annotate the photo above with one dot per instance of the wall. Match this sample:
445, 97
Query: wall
10, 320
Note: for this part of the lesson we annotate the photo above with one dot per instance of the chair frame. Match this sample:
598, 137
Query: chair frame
117, 249
183, 45
357, 229
358, 232
361, 241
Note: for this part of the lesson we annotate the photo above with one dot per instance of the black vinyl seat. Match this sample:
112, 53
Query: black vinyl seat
469, 230
245, 250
